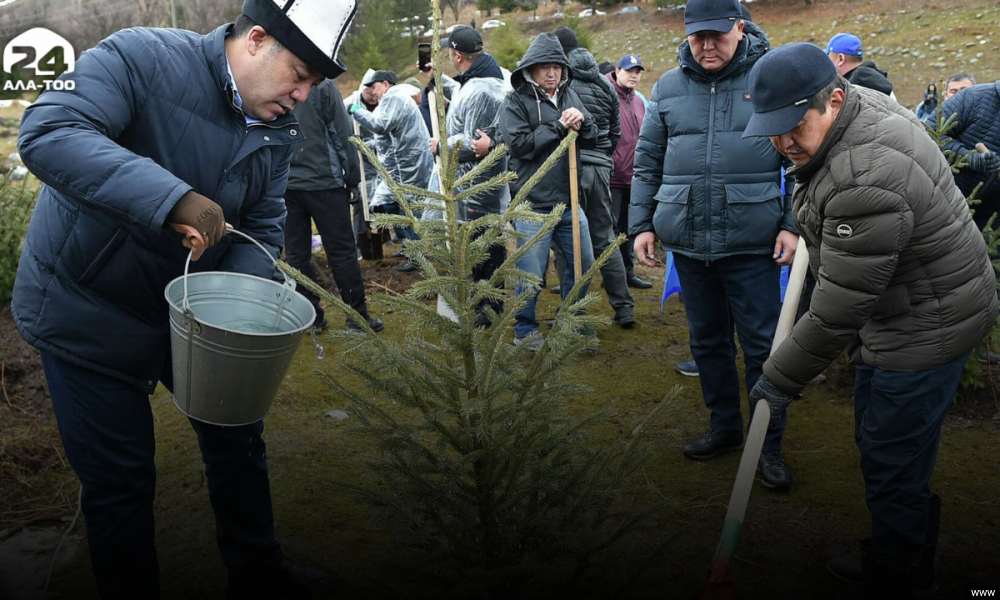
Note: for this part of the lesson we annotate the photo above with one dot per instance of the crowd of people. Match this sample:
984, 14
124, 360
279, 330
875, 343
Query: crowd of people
740, 154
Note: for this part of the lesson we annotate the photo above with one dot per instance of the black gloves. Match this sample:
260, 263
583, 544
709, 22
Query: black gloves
984, 162
777, 400
201, 214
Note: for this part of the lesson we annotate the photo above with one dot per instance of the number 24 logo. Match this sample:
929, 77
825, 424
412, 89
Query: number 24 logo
45, 51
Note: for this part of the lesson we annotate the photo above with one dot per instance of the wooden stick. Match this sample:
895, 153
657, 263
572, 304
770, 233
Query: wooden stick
574, 201
793, 292
435, 127
717, 587
364, 183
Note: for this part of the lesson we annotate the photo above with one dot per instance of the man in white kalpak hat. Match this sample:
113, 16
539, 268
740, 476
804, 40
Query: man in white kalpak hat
167, 137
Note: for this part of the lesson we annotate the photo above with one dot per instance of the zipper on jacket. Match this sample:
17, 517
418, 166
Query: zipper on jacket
708, 176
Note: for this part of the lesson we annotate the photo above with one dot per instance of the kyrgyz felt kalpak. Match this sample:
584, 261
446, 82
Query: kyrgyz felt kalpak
312, 29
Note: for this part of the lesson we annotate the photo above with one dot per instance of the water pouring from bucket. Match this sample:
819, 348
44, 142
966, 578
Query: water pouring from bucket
232, 338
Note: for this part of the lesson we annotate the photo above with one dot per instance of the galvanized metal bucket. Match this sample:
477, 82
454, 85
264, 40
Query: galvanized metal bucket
232, 339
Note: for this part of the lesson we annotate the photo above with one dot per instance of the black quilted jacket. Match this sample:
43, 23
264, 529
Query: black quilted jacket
601, 101
977, 111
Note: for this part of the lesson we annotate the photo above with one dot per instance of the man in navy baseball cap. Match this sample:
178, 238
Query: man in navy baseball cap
711, 15
629, 62
782, 86
879, 210
691, 165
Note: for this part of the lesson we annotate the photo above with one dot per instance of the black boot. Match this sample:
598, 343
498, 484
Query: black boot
848, 568
888, 573
924, 579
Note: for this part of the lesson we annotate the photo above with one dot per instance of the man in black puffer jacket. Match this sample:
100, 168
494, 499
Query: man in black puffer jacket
601, 101
714, 200
536, 117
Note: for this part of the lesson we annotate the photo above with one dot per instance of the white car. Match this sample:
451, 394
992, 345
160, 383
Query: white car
558, 15
451, 28
590, 12
628, 9
493, 24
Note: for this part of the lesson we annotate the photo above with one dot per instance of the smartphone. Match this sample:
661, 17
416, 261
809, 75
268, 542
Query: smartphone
424, 56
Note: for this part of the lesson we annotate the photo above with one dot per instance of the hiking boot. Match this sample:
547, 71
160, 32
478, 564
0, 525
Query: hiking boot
319, 327
283, 581
887, 573
407, 267
640, 284
713, 443
556, 289
397, 254
376, 324
688, 369
534, 345
774, 473
625, 321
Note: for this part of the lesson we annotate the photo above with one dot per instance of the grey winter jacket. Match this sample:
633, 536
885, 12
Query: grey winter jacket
705, 191
152, 117
326, 160
531, 128
903, 278
601, 101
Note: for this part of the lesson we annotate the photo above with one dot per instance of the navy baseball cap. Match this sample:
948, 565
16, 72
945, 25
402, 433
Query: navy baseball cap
845, 43
782, 86
630, 61
387, 76
711, 15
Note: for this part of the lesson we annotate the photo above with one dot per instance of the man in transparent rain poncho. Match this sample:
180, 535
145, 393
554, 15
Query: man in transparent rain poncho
401, 142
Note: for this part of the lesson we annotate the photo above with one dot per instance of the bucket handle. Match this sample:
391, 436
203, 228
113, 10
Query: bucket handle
289, 284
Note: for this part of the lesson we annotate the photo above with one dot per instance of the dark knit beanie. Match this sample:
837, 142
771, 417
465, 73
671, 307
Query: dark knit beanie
567, 38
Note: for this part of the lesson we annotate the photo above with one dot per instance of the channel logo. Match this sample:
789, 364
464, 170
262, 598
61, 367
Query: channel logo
41, 55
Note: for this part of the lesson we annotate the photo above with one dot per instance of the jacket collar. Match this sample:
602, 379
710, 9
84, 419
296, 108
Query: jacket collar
622, 92
850, 110
485, 66
746, 55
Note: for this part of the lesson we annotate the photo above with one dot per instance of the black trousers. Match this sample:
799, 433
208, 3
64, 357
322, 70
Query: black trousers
331, 210
620, 198
106, 427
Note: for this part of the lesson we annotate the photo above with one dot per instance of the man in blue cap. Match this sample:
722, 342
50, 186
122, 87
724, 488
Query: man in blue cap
904, 284
847, 55
714, 200
631, 112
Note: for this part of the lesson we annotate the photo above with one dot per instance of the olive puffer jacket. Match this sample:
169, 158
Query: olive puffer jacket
903, 278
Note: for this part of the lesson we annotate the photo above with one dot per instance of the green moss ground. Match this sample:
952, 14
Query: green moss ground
783, 548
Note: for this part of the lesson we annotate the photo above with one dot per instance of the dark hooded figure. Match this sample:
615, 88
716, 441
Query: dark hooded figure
537, 115
601, 101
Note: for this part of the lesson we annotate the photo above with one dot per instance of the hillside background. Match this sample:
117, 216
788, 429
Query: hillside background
917, 42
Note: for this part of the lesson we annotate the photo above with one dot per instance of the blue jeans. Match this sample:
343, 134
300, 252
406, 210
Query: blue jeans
897, 426
746, 287
106, 427
537, 258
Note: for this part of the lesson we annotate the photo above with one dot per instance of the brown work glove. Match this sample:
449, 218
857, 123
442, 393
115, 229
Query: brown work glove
200, 220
